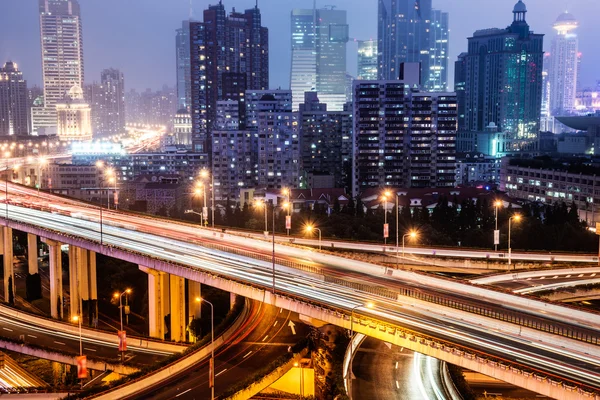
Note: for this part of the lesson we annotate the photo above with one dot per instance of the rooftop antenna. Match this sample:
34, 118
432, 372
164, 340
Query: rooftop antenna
191, 9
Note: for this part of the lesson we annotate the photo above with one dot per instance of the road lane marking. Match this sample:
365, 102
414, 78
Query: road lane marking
88, 349
182, 393
594, 274
280, 310
396, 364
220, 372
397, 385
7, 329
266, 337
61, 343
35, 337
275, 324
580, 275
250, 352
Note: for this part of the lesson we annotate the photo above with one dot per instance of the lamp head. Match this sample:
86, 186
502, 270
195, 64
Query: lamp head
497, 203
517, 217
309, 228
128, 291
370, 305
75, 318
413, 234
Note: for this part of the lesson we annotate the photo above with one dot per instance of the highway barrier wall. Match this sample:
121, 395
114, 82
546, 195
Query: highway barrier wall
59, 326
66, 359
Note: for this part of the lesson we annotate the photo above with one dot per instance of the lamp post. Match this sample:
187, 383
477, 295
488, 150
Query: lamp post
286, 192
264, 204
120, 296
100, 165
198, 192
211, 379
497, 204
517, 218
386, 231
204, 174
349, 377
78, 318
412, 235
310, 228
299, 365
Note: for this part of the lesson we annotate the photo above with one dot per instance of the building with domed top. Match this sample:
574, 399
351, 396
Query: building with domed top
74, 120
502, 77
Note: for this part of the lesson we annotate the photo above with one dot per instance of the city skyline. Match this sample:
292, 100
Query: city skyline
104, 48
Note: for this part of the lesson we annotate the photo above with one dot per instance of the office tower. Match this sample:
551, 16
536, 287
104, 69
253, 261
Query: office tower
220, 45
182, 128
546, 119
504, 82
403, 137
14, 104
110, 110
564, 65
319, 38
439, 54
74, 120
460, 83
326, 140
367, 60
184, 82
403, 36
62, 51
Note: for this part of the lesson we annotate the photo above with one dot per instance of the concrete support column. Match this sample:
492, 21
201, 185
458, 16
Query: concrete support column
75, 261
9, 272
157, 297
177, 302
92, 288
194, 292
231, 300
56, 286
32, 253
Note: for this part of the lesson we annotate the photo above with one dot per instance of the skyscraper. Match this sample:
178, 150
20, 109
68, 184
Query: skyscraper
563, 66
403, 137
403, 36
224, 47
113, 110
367, 60
439, 52
14, 104
503, 75
74, 120
319, 38
184, 83
62, 49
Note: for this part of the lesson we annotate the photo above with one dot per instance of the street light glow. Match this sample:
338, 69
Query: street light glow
517, 217
413, 234
498, 203
370, 305
75, 318
309, 228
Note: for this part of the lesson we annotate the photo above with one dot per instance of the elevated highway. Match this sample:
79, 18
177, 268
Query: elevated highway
545, 347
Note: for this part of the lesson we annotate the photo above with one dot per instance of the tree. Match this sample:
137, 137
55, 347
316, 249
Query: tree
360, 207
336, 206
350, 208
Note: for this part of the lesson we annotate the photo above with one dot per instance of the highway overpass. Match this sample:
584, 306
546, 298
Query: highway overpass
545, 347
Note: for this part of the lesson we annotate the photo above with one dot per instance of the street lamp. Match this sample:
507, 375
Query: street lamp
497, 204
100, 166
386, 231
287, 205
204, 174
264, 204
369, 306
198, 192
389, 194
77, 318
41, 162
120, 297
211, 378
297, 364
412, 235
310, 228
517, 218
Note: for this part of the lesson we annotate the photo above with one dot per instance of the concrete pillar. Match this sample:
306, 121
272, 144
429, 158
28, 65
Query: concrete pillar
194, 292
83, 275
75, 261
56, 286
92, 288
177, 302
231, 300
32, 253
9, 272
157, 297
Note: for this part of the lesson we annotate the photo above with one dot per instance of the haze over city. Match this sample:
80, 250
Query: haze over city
137, 36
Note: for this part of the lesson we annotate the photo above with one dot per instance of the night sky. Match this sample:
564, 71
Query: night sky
138, 36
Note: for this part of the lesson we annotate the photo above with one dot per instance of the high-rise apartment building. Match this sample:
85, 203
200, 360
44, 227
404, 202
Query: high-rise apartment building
404, 36
62, 51
503, 82
563, 68
182, 52
14, 103
107, 101
326, 140
439, 54
403, 137
367, 60
222, 45
319, 38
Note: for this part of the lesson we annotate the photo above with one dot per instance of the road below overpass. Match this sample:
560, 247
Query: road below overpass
177, 243
263, 339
